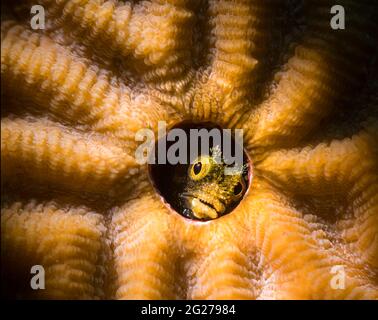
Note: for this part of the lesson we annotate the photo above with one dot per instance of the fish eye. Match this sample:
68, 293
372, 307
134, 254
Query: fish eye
239, 188
200, 168
197, 168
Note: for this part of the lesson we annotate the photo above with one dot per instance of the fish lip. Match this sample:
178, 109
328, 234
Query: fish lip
185, 195
208, 204
188, 195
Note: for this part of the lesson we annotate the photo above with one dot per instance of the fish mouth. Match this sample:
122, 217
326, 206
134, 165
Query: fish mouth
203, 207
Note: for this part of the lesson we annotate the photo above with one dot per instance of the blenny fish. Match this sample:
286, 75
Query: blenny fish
208, 190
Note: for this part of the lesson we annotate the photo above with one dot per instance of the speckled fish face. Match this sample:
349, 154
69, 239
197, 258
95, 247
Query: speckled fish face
210, 191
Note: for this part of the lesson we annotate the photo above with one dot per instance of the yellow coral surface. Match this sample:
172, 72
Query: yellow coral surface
75, 201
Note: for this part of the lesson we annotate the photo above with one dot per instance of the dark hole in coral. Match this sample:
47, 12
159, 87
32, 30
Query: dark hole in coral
199, 186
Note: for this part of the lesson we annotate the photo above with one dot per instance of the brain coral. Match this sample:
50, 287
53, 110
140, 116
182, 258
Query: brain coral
75, 201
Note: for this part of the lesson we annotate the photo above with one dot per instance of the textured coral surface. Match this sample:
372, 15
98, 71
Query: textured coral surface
75, 201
